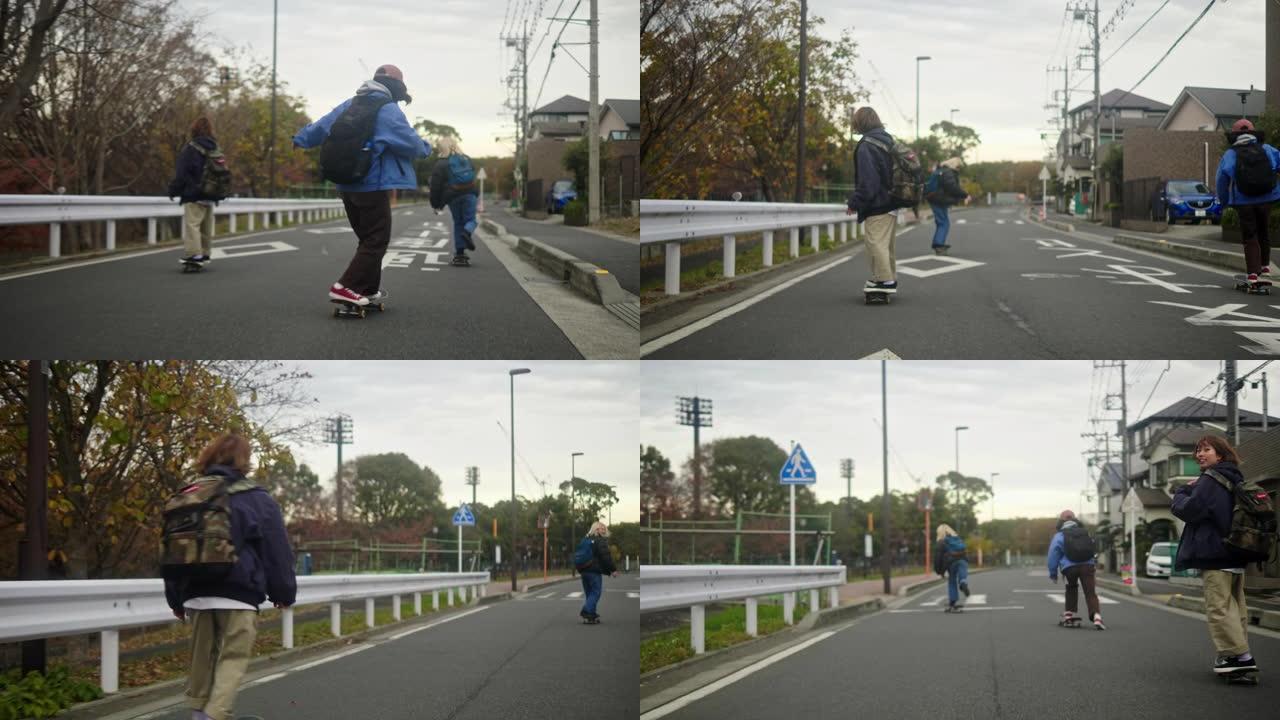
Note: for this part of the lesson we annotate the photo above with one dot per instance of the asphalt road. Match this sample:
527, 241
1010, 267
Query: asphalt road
265, 296
1009, 289
617, 256
1004, 657
524, 658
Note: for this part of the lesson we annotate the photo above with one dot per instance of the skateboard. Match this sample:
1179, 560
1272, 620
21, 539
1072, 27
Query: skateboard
956, 609
590, 621
460, 261
190, 266
1262, 287
877, 297
347, 309
1072, 623
1239, 677
941, 249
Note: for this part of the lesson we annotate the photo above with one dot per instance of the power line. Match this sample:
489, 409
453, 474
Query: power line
1172, 47
551, 59
888, 93
1153, 388
1135, 32
550, 23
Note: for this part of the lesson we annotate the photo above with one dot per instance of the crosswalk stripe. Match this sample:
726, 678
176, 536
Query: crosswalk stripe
961, 221
975, 599
575, 594
1061, 599
633, 595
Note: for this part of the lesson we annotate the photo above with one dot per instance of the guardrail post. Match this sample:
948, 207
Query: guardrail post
698, 628
417, 603
435, 599
752, 607
292, 217
831, 233
813, 600
279, 218
231, 224
789, 608
368, 612
110, 665
795, 242
151, 231
111, 234
248, 219
835, 596
395, 607
768, 261
813, 237
335, 619
672, 250
266, 221
286, 627
843, 227
450, 603
730, 256
55, 240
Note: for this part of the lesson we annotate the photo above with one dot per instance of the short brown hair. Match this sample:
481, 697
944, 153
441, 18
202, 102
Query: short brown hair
865, 120
1220, 446
201, 128
230, 449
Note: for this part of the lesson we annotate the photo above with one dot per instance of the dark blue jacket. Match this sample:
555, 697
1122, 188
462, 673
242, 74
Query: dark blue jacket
1205, 506
601, 558
264, 564
874, 174
185, 184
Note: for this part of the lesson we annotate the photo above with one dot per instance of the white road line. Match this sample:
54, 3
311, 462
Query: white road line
674, 705
267, 679
677, 335
633, 594
574, 594
967, 609
331, 658
1000, 221
1061, 599
975, 599
884, 354
442, 621
545, 596
961, 221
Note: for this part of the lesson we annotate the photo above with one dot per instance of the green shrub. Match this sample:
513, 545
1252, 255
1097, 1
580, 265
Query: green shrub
575, 213
42, 696
1231, 220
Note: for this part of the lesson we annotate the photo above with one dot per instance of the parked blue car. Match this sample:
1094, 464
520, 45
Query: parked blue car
560, 194
1189, 200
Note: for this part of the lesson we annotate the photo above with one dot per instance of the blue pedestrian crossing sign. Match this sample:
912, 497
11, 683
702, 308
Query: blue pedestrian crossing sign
798, 470
462, 516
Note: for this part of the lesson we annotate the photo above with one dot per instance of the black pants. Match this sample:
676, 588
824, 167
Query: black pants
1253, 230
1078, 575
370, 216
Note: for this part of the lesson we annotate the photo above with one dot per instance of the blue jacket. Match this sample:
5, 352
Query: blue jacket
1227, 175
873, 177
395, 145
1205, 506
185, 184
264, 560
1058, 552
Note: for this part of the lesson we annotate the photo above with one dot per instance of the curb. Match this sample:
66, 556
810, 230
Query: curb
832, 616
1218, 258
591, 281
1118, 586
1269, 619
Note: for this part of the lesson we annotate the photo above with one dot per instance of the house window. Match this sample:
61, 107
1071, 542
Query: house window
1159, 475
1190, 468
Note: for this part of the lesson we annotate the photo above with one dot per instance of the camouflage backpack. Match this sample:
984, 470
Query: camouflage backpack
1252, 536
196, 542
215, 177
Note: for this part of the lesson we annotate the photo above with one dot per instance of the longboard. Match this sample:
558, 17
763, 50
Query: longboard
1239, 677
347, 309
1262, 287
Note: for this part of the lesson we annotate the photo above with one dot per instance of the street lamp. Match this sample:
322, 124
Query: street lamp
957, 484
993, 496
573, 525
918, 59
513, 374
953, 115
271, 148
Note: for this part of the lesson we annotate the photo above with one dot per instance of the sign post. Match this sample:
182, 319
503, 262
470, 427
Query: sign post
543, 522
1132, 505
1044, 191
480, 175
924, 501
461, 518
797, 471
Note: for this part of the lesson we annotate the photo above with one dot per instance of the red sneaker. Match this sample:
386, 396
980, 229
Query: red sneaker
337, 292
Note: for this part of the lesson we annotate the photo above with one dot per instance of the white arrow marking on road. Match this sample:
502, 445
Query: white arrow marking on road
1145, 276
419, 243
1061, 599
947, 264
404, 258
1268, 343
1052, 242
274, 246
1093, 253
1213, 316
329, 230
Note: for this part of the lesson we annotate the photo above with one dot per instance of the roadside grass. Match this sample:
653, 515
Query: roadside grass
725, 628
628, 226
746, 261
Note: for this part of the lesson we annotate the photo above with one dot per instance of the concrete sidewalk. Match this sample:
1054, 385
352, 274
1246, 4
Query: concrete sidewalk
874, 587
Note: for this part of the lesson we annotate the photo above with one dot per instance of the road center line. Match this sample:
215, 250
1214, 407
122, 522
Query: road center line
451, 618
331, 658
678, 703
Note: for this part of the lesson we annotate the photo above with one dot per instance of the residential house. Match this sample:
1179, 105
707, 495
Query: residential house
1121, 111
1213, 109
565, 120
1260, 462
620, 120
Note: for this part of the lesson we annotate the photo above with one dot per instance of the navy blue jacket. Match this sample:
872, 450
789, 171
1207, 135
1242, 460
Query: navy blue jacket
873, 177
185, 184
1205, 506
602, 559
264, 563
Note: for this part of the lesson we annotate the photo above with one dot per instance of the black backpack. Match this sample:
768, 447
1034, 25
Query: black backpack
215, 177
344, 159
1078, 544
1254, 174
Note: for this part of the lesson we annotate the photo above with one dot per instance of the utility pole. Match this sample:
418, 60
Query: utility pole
804, 79
338, 431
1123, 428
1273, 57
593, 122
271, 149
1265, 416
473, 479
1097, 123
695, 412
884, 463
521, 43
1233, 401
33, 556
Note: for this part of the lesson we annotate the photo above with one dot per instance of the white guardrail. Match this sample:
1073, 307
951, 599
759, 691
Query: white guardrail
34, 609
672, 223
668, 587
54, 210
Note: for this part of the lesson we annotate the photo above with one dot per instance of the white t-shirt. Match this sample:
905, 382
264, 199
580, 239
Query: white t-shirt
216, 603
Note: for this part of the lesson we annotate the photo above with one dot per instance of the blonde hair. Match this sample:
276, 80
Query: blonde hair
954, 163
447, 146
598, 529
944, 530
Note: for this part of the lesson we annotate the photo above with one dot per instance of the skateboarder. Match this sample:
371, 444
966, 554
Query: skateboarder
1246, 181
942, 191
368, 149
223, 608
196, 195
593, 561
1072, 552
871, 201
949, 559
453, 183
1205, 506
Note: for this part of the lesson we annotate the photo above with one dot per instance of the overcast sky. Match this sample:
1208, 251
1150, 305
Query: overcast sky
454, 63
1024, 418
446, 415
989, 59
